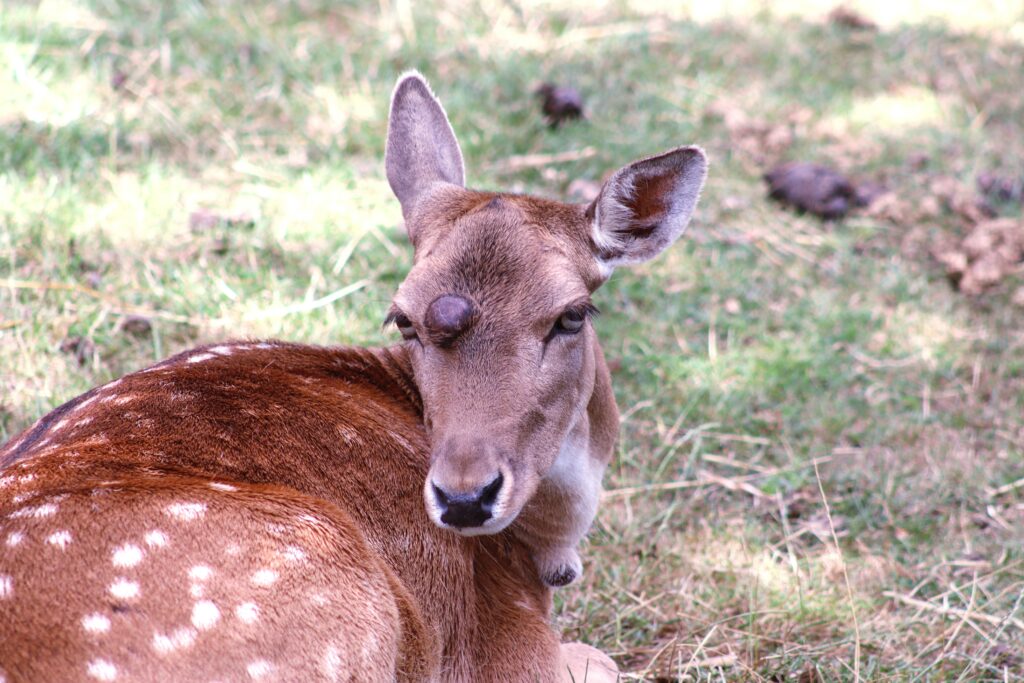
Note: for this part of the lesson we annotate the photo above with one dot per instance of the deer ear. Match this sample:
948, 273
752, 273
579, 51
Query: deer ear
421, 148
645, 207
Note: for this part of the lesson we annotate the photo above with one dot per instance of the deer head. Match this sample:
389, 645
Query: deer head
496, 311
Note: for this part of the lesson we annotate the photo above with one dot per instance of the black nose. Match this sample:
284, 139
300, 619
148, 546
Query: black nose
467, 510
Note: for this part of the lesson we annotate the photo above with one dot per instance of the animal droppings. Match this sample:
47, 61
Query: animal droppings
813, 188
560, 103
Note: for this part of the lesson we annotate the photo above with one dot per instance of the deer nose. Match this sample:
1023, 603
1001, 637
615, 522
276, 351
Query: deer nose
467, 510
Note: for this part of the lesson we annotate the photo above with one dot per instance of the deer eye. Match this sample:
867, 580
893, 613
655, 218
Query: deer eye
402, 322
570, 322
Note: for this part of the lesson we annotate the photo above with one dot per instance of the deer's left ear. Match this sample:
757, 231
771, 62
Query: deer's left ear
646, 206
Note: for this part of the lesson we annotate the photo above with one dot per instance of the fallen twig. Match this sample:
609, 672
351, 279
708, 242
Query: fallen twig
114, 303
524, 161
307, 306
710, 479
1006, 488
953, 611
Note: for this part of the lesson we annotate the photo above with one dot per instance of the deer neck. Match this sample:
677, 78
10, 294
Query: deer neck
565, 503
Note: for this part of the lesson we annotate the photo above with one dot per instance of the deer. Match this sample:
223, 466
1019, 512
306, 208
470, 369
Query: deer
271, 511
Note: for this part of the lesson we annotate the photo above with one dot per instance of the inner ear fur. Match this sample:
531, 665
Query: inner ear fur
645, 206
421, 147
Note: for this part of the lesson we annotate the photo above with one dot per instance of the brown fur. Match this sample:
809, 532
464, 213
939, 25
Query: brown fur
257, 509
431, 601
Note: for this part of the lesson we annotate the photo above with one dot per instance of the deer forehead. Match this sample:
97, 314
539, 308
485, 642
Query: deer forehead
504, 255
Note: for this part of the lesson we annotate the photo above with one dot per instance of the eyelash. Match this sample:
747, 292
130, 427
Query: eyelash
402, 322
577, 317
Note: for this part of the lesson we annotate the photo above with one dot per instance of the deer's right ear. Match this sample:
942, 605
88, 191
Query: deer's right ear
421, 150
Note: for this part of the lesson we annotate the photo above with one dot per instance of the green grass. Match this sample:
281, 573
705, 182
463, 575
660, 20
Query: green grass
762, 343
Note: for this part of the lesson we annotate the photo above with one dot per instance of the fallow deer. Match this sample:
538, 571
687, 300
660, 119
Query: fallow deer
255, 510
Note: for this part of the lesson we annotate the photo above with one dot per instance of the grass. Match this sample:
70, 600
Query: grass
765, 365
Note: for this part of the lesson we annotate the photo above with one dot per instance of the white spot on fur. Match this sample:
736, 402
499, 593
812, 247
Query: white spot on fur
233, 549
14, 538
204, 615
221, 350
124, 589
331, 663
294, 553
6, 481
222, 487
200, 572
85, 403
95, 440
247, 612
264, 577
349, 435
59, 425
127, 556
84, 421
264, 345
200, 357
196, 590
20, 498
111, 385
61, 539
180, 639
258, 669
27, 478
121, 400
6, 586
318, 599
102, 670
95, 623
186, 512
156, 538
